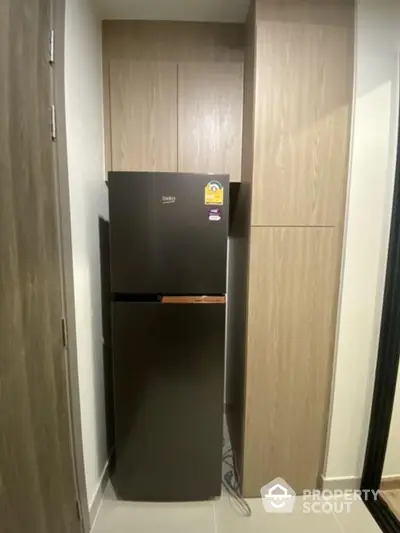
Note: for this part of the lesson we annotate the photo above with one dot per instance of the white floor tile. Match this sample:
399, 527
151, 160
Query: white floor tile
222, 516
125, 517
357, 520
229, 521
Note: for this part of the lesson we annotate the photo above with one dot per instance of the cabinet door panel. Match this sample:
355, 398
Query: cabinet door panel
304, 91
210, 108
143, 115
291, 325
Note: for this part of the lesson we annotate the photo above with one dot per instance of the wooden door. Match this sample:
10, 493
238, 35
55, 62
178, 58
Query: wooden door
143, 115
290, 340
37, 484
210, 109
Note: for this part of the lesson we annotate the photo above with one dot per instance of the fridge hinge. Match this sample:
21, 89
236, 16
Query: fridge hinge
64, 332
53, 123
51, 47
78, 510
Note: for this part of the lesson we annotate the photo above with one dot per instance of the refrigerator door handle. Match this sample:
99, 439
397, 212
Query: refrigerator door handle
193, 300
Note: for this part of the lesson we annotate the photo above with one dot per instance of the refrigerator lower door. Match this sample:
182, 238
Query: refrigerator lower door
168, 386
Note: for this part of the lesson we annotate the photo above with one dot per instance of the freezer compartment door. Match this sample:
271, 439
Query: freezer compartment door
192, 234
168, 232
168, 383
132, 232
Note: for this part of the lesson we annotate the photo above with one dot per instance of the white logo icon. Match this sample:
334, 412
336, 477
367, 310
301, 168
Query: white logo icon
278, 497
168, 199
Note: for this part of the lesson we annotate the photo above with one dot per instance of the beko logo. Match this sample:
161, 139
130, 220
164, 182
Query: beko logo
168, 199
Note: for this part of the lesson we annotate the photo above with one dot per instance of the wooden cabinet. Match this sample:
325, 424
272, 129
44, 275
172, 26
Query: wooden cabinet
291, 315
170, 117
297, 114
210, 106
143, 111
302, 121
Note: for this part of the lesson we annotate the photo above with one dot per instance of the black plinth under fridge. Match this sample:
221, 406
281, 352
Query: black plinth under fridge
168, 246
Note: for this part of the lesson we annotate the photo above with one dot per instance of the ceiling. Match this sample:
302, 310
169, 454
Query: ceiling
187, 10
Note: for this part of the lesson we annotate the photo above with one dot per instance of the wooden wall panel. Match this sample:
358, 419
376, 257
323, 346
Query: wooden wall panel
173, 41
303, 101
291, 318
210, 110
303, 94
37, 479
178, 42
143, 115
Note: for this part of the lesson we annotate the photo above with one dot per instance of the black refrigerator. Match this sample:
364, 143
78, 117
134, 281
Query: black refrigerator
168, 252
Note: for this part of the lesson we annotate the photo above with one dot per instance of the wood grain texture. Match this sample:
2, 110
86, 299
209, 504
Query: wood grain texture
144, 115
193, 300
291, 316
174, 42
210, 109
304, 86
37, 490
392, 498
390, 483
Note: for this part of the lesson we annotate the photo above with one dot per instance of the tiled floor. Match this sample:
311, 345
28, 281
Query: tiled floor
221, 517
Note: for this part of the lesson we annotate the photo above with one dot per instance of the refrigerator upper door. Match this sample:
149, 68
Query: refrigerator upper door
132, 230
192, 223
168, 233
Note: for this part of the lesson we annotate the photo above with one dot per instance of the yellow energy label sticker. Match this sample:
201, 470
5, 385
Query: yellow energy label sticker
214, 193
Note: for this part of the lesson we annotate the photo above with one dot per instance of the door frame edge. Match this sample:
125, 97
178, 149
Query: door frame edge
58, 83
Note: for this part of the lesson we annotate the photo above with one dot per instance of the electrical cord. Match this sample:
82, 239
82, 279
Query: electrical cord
231, 482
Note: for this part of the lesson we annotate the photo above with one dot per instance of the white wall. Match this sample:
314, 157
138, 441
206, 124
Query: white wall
366, 237
88, 199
